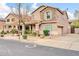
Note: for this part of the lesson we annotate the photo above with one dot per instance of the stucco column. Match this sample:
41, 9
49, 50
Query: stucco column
30, 27
7, 28
37, 28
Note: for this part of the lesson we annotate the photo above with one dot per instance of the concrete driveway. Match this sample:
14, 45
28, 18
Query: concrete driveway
69, 41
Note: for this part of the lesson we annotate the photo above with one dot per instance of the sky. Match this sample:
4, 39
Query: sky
5, 8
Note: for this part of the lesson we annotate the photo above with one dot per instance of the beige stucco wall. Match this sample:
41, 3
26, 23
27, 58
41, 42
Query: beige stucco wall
63, 21
36, 14
52, 30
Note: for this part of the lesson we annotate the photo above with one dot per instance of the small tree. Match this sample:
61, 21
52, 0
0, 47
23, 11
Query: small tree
75, 24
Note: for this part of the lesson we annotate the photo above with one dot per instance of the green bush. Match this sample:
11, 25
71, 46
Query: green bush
24, 36
27, 32
2, 32
46, 32
14, 31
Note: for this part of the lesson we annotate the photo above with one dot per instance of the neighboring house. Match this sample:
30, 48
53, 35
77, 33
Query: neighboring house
12, 22
2, 23
52, 19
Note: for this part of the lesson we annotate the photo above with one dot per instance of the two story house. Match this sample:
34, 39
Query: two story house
52, 19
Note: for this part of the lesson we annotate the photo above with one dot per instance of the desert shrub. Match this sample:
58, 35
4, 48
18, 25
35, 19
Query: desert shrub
2, 33
46, 32
14, 31
27, 32
7, 31
24, 36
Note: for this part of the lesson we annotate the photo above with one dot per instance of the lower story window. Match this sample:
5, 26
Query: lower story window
9, 26
48, 27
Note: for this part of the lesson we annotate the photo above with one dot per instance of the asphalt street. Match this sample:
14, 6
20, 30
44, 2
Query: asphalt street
17, 48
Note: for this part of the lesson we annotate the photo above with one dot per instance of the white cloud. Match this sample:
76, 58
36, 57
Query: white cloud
4, 10
70, 15
34, 6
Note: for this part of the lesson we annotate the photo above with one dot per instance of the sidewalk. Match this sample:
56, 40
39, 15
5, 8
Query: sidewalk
70, 41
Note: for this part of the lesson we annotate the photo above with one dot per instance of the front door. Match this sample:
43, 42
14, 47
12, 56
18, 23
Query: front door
26, 27
20, 27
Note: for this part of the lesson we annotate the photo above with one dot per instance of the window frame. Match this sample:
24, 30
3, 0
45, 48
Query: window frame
8, 20
50, 13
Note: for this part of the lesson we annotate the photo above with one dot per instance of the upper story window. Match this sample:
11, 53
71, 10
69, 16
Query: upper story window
13, 19
48, 15
8, 20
